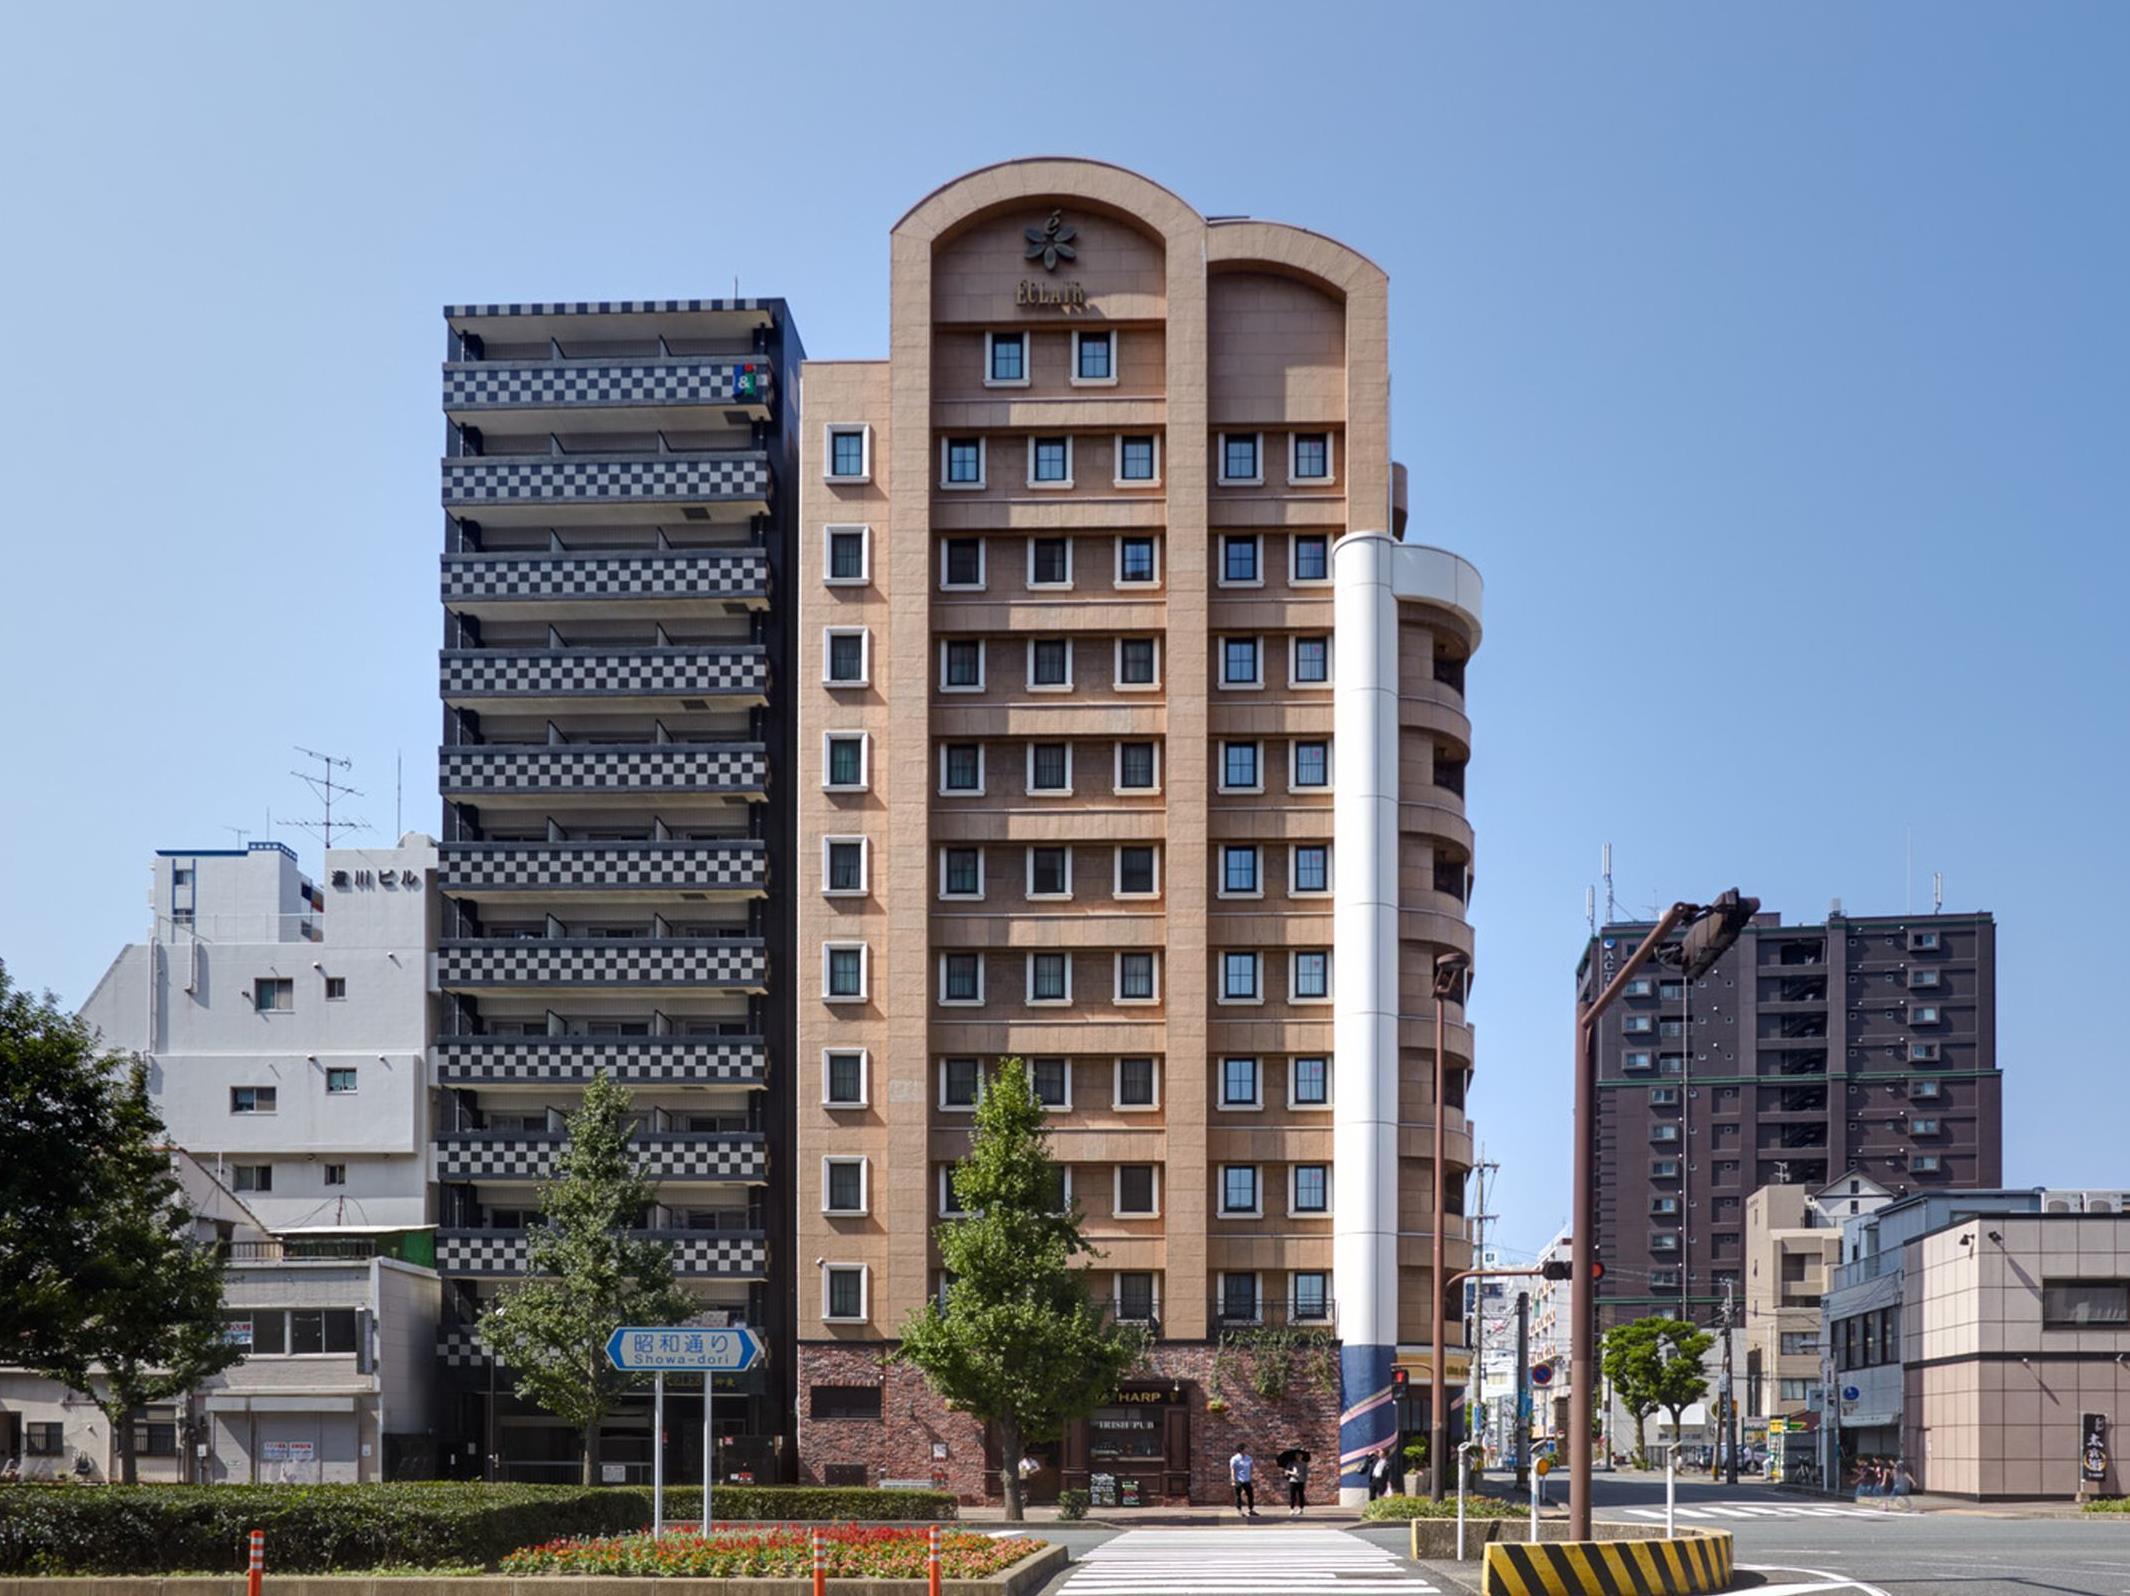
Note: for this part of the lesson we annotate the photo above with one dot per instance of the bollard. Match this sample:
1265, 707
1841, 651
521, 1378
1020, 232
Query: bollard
256, 1574
931, 1561
820, 1565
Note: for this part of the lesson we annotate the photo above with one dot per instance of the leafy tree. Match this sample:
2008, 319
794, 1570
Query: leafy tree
1681, 1379
1018, 1343
585, 1276
1655, 1363
141, 1306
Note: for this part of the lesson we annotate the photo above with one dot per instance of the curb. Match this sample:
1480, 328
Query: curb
1689, 1564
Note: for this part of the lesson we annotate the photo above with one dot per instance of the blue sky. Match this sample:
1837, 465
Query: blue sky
1769, 361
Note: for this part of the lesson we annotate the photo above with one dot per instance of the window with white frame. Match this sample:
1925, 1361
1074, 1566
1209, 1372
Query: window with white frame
336, 1175
961, 872
1049, 978
1050, 461
1138, 873
848, 451
847, 555
1309, 558
1138, 464
1050, 770
843, 761
1242, 978
1050, 562
1241, 560
251, 1177
961, 770
1137, 1192
951, 1205
1049, 871
1094, 358
961, 978
1050, 664
1308, 1295
846, 656
843, 972
961, 564
1138, 663
1136, 1084
1242, 662
843, 1077
1138, 767
961, 463
1138, 559
274, 994
253, 1099
1309, 767
1240, 876
843, 867
1240, 1193
1006, 360
336, 989
1308, 457
1133, 1298
1241, 456
340, 1081
1309, 660
1309, 869
961, 665
1312, 976
843, 1292
1309, 1190
1309, 1081
1137, 978
961, 1083
1241, 1083
1050, 1079
1241, 767
1240, 1301
843, 1183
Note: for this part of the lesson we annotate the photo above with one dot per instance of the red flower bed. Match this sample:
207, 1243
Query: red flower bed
852, 1551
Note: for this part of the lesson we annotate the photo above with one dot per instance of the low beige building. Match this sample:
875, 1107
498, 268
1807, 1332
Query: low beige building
1793, 1240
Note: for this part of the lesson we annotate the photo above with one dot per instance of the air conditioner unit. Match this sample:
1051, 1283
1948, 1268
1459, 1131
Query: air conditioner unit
2053, 1204
2107, 1202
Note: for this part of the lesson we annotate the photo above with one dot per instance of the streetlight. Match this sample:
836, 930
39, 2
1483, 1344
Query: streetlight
1450, 969
1711, 930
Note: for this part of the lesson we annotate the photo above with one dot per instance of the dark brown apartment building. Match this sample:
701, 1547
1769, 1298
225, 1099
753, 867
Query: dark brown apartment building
1864, 1044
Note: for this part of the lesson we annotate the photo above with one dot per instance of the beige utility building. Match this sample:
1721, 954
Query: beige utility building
1084, 640
1793, 1243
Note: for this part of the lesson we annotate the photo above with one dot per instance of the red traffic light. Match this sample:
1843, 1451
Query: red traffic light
1597, 1270
1399, 1378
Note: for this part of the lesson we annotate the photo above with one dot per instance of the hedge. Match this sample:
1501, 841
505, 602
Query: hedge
1475, 1506
150, 1529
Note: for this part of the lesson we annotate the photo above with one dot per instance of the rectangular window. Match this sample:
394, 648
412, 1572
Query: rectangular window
1135, 978
1312, 1189
1049, 978
1239, 458
960, 1083
961, 977
1238, 561
1238, 871
1312, 661
336, 1174
1238, 767
1238, 1295
273, 994
1800, 1343
1135, 662
962, 768
1312, 976
844, 1191
844, 1402
1051, 1081
1050, 768
1135, 1188
843, 1084
1135, 871
1238, 1189
1094, 357
847, 453
1637, 1061
1050, 562
1312, 1294
962, 665
1138, 461
961, 872
1238, 977
44, 1438
843, 761
340, 1081
1311, 457
1312, 557
843, 970
1050, 462
1135, 1083
1238, 1083
2080, 1303
1239, 666
961, 562
1923, 979
1923, 1125
1135, 767
1312, 764
845, 665
1310, 1081
846, 863
252, 1099
847, 552
964, 462
1009, 357
950, 1203
1135, 560
1049, 872
1135, 1297
844, 1291
1312, 867
336, 989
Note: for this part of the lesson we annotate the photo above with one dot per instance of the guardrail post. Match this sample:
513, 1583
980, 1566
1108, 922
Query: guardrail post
820, 1564
256, 1574
931, 1561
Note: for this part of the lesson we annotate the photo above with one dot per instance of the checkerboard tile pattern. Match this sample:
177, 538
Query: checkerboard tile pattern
669, 767
494, 385
661, 1155
609, 673
505, 1252
477, 480
738, 866
669, 962
644, 1060
457, 1347
726, 574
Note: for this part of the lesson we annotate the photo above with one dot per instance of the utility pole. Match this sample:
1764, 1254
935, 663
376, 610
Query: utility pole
1522, 1430
1729, 1410
1475, 1379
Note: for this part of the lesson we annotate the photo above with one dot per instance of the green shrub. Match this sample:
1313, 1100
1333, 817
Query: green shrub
2109, 1504
1073, 1504
818, 1504
1475, 1506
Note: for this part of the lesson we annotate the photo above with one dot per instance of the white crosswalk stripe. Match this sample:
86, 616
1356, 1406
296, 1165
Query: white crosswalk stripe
1242, 1560
1711, 1511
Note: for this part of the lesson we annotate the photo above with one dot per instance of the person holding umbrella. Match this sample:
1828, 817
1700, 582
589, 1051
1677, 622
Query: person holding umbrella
1294, 1462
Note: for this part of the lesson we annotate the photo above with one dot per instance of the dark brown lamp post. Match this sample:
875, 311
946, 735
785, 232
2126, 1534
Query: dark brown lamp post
1450, 971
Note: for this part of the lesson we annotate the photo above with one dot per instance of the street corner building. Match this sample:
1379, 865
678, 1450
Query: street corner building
1131, 742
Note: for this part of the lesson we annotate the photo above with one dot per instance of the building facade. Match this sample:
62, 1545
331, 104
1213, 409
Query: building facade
1793, 1243
1863, 1044
1106, 645
616, 778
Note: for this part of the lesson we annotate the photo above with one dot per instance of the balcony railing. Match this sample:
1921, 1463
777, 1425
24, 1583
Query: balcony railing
739, 865
723, 963
630, 1060
581, 768
723, 1254
317, 1249
738, 670
1266, 1315
473, 483
506, 385
502, 581
661, 1155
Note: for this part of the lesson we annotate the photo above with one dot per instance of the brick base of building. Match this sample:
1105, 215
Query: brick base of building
917, 1439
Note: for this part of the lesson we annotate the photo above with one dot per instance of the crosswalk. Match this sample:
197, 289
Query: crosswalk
1715, 1512
1242, 1560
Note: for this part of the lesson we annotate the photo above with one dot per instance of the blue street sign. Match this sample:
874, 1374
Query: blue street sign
1850, 1393
688, 1349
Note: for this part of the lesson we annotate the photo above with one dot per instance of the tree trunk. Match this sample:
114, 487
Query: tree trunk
1009, 1467
1641, 1439
591, 1447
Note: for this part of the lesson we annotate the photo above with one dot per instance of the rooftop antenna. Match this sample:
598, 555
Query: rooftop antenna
1590, 908
1612, 907
1937, 891
399, 790
239, 832
327, 789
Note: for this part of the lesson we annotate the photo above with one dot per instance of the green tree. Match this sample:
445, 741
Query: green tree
139, 1315
586, 1276
1018, 1343
1682, 1380
1655, 1363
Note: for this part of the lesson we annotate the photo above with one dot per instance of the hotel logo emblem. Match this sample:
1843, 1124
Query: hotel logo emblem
1052, 242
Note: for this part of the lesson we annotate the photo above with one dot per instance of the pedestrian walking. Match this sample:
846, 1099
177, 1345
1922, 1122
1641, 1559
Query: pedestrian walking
1379, 1475
1240, 1470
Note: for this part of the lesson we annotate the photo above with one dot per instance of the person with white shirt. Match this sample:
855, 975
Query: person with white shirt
1240, 1470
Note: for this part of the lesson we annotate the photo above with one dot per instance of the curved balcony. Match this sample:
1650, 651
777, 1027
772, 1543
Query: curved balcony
634, 486
589, 770
634, 583
477, 388
574, 1060
695, 1156
738, 868
648, 963
718, 1254
612, 677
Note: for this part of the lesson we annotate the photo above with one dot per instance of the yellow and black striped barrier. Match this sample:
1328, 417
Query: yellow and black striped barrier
1687, 1565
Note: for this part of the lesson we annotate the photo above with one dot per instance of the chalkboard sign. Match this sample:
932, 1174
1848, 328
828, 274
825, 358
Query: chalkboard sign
1102, 1490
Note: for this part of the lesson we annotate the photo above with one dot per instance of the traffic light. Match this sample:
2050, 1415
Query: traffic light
1555, 1269
1399, 1379
1711, 935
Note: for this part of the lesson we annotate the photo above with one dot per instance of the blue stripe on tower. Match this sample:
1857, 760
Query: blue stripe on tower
1368, 1413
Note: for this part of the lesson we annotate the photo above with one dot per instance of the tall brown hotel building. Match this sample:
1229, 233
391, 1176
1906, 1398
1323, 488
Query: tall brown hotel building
1131, 743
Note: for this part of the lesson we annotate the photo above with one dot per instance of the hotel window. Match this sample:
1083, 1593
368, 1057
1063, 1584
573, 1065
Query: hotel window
1311, 1294
1094, 357
340, 1082
843, 866
843, 1078
1239, 981
961, 462
848, 558
961, 978
1136, 561
1312, 765
1135, 1083
843, 761
1050, 462
1240, 563
961, 563
1050, 769
1050, 562
252, 1099
1138, 770
1636, 1061
336, 989
1919, 979
850, 452
961, 872
1138, 461
1136, 876
950, 1203
1924, 1014
1239, 1083
1238, 872
336, 1174
961, 665
843, 1291
1311, 869
1312, 976
843, 1185
1239, 1297
961, 1083
1311, 1189
1135, 1297
1138, 662
1309, 457
1923, 1125
1240, 662
843, 651
1309, 1081
1924, 1090
1309, 558
1049, 978
961, 769
1241, 462
1006, 360
1050, 1079
1049, 872
1135, 978
1238, 1189
1050, 664
1310, 665
1923, 1052
251, 1177
843, 972
1135, 1195
1239, 768
273, 994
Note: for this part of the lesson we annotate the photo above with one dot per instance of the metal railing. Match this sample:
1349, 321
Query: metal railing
1272, 1315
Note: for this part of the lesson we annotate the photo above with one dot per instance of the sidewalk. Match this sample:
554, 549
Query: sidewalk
1161, 1517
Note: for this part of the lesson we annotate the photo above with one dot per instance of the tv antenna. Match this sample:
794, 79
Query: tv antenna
241, 833
1612, 907
327, 789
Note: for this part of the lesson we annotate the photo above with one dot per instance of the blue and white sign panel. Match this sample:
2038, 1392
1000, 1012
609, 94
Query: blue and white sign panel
687, 1349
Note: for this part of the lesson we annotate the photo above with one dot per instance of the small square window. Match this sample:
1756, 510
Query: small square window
1311, 665
1239, 565
1135, 1190
843, 1078
1138, 770
844, 662
1050, 1079
336, 1174
843, 972
1135, 978
850, 454
961, 872
1312, 1189
252, 1099
1050, 462
1309, 457
1050, 562
843, 866
961, 462
1312, 868
1239, 1079
961, 1083
1136, 1084
1006, 359
1312, 976
1240, 659
843, 761
1136, 560
1137, 662
961, 665
1238, 1190
1239, 770
961, 978
1239, 982
1050, 769
1049, 872
1309, 1081
336, 989
1312, 765
1049, 978
1136, 876
843, 1185
340, 1081
1238, 871
1050, 664
251, 1177
1923, 1090
1094, 357
843, 1291
1240, 462
847, 561
1311, 558
961, 562
1926, 979
961, 769
1138, 462
273, 994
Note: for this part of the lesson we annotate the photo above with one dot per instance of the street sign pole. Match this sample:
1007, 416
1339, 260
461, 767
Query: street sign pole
709, 1458
658, 1453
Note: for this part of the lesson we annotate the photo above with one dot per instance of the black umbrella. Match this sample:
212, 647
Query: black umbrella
1288, 1458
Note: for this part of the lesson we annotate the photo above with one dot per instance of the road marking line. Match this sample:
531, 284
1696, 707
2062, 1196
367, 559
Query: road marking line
1821, 1581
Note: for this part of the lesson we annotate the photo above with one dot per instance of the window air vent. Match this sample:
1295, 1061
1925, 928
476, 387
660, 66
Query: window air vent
694, 513
695, 703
